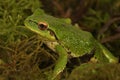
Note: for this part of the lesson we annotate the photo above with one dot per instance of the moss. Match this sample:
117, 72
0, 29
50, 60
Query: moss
91, 71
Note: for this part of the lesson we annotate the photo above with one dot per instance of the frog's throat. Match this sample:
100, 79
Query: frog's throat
51, 45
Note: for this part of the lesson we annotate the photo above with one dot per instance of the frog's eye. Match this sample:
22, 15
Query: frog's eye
42, 25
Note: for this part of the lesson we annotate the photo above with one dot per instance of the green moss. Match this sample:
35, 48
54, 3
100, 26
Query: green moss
96, 72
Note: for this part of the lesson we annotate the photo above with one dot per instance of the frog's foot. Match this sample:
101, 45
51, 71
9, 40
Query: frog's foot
61, 62
111, 58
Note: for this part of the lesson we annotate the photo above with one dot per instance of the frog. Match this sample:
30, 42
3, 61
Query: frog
66, 39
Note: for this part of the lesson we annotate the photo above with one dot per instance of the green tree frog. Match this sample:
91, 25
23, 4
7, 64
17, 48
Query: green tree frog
62, 37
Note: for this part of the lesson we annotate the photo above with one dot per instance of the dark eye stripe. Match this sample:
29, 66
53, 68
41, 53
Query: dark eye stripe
52, 33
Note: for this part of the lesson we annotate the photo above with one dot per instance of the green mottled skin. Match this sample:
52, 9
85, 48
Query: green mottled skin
71, 38
77, 41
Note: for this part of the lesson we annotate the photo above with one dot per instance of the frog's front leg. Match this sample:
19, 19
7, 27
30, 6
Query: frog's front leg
61, 62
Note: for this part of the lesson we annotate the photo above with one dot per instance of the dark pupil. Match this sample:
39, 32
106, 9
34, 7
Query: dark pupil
42, 26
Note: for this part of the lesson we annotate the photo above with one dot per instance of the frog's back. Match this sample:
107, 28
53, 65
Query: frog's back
76, 41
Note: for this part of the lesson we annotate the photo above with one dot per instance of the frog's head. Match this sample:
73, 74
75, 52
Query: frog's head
39, 23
